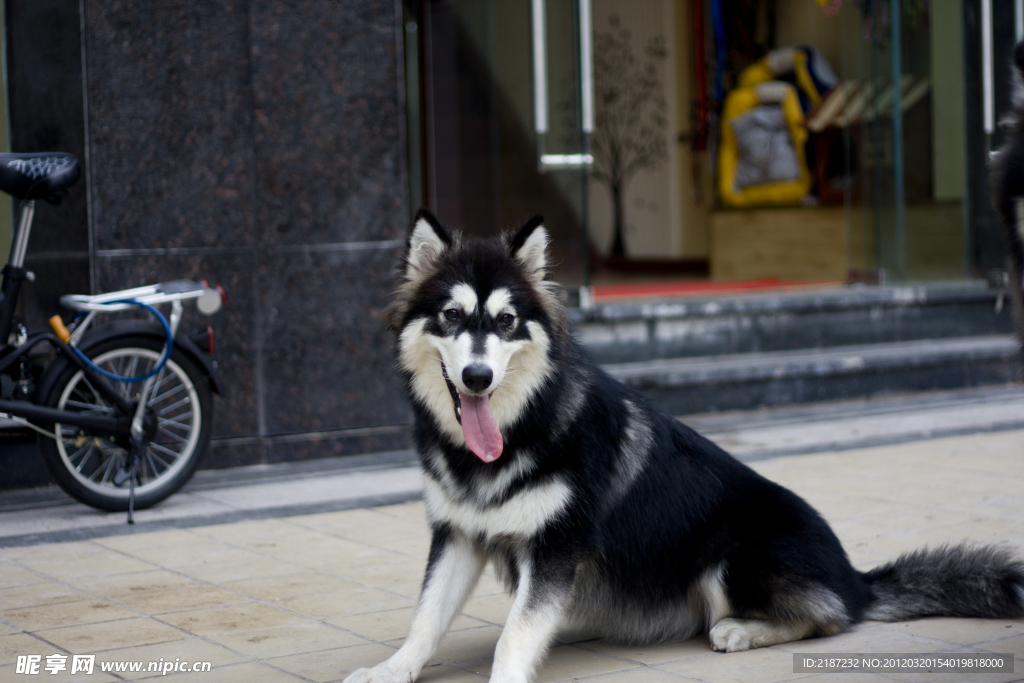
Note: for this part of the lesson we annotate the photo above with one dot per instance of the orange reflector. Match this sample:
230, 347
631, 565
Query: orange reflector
58, 327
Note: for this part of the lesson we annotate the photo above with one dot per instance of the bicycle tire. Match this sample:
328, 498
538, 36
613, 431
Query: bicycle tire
84, 464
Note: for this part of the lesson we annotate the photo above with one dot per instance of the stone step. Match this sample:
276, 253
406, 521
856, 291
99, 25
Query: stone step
646, 330
752, 380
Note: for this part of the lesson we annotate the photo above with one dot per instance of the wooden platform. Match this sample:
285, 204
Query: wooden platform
788, 243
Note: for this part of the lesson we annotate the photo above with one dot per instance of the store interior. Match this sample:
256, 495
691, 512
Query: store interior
750, 142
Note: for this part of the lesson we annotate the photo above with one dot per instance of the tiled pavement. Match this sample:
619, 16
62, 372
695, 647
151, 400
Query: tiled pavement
312, 597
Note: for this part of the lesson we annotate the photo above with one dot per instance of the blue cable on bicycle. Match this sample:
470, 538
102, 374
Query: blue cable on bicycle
160, 364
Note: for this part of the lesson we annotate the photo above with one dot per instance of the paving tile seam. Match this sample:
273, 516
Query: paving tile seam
759, 455
461, 665
327, 532
200, 521
638, 663
122, 606
316, 569
346, 538
228, 666
209, 584
54, 628
300, 568
267, 660
887, 529
57, 648
640, 667
887, 627
999, 640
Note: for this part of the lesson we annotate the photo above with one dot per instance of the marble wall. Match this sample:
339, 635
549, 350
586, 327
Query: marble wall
258, 144
44, 81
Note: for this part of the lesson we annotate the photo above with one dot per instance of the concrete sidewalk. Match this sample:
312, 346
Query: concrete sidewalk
312, 597
47, 515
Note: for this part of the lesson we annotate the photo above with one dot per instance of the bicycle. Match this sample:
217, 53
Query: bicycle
124, 409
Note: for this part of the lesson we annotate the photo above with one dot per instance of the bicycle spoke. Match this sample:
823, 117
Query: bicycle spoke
172, 435
85, 450
105, 471
91, 407
154, 458
95, 393
88, 384
174, 423
132, 367
108, 471
160, 378
94, 462
117, 366
81, 449
88, 454
168, 393
176, 404
164, 449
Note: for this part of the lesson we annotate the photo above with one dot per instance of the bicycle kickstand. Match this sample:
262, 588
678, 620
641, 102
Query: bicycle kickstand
137, 448
129, 475
139, 439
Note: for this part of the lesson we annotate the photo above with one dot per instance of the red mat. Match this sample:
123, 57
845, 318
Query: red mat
700, 288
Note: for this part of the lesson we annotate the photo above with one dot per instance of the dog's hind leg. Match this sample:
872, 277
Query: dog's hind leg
453, 569
735, 635
532, 624
794, 612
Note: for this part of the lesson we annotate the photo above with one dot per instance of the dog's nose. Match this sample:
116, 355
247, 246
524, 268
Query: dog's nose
477, 377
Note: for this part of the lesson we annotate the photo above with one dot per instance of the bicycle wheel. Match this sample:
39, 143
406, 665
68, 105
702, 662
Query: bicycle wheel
84, 464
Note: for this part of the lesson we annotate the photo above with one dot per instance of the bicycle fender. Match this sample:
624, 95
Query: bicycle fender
126, 328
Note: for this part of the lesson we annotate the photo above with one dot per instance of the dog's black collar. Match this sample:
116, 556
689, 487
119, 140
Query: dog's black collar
454, 392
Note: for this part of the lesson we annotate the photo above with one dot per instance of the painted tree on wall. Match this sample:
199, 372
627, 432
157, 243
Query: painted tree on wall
629, 116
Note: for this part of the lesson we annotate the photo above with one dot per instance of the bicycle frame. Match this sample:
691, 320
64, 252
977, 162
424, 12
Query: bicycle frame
114, 426
14, 272
128, 427
14, 276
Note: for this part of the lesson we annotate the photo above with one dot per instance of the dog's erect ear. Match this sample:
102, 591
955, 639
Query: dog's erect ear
427, 241
530, 246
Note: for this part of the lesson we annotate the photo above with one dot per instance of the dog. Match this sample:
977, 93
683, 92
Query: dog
602, 515
1008, 193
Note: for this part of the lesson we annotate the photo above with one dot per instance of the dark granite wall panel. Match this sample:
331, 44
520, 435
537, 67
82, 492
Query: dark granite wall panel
55, 277
327, 122
234, 342
233, 454
354, 443
170, 123
327, 354
248, 143
44, 80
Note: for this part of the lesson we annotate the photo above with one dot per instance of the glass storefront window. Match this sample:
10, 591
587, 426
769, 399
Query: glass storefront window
877, 166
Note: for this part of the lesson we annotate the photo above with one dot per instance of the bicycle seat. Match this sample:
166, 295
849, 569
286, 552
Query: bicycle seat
40, 175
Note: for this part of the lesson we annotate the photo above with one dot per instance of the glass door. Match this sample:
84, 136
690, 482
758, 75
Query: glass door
990, 30
907, 143
500, 134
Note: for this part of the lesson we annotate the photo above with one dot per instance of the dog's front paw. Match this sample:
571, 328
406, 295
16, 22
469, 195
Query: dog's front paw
380, 674
730, 635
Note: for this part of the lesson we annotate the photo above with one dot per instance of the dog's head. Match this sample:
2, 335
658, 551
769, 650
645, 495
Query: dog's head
476, 321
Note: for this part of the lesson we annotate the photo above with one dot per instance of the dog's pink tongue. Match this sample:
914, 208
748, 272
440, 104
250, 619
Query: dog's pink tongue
479, 428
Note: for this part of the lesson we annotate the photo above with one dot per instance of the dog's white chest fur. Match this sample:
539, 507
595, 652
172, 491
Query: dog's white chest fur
521, 515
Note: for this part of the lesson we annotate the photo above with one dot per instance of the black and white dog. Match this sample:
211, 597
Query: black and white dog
601, 514
1008, 193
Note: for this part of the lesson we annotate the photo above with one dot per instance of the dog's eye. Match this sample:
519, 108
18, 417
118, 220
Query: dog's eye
452, 314
506, 318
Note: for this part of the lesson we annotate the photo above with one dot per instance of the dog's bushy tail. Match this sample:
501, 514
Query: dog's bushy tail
949, 581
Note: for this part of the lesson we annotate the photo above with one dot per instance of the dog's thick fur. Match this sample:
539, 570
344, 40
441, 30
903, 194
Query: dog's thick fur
1008, 194
602, 515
